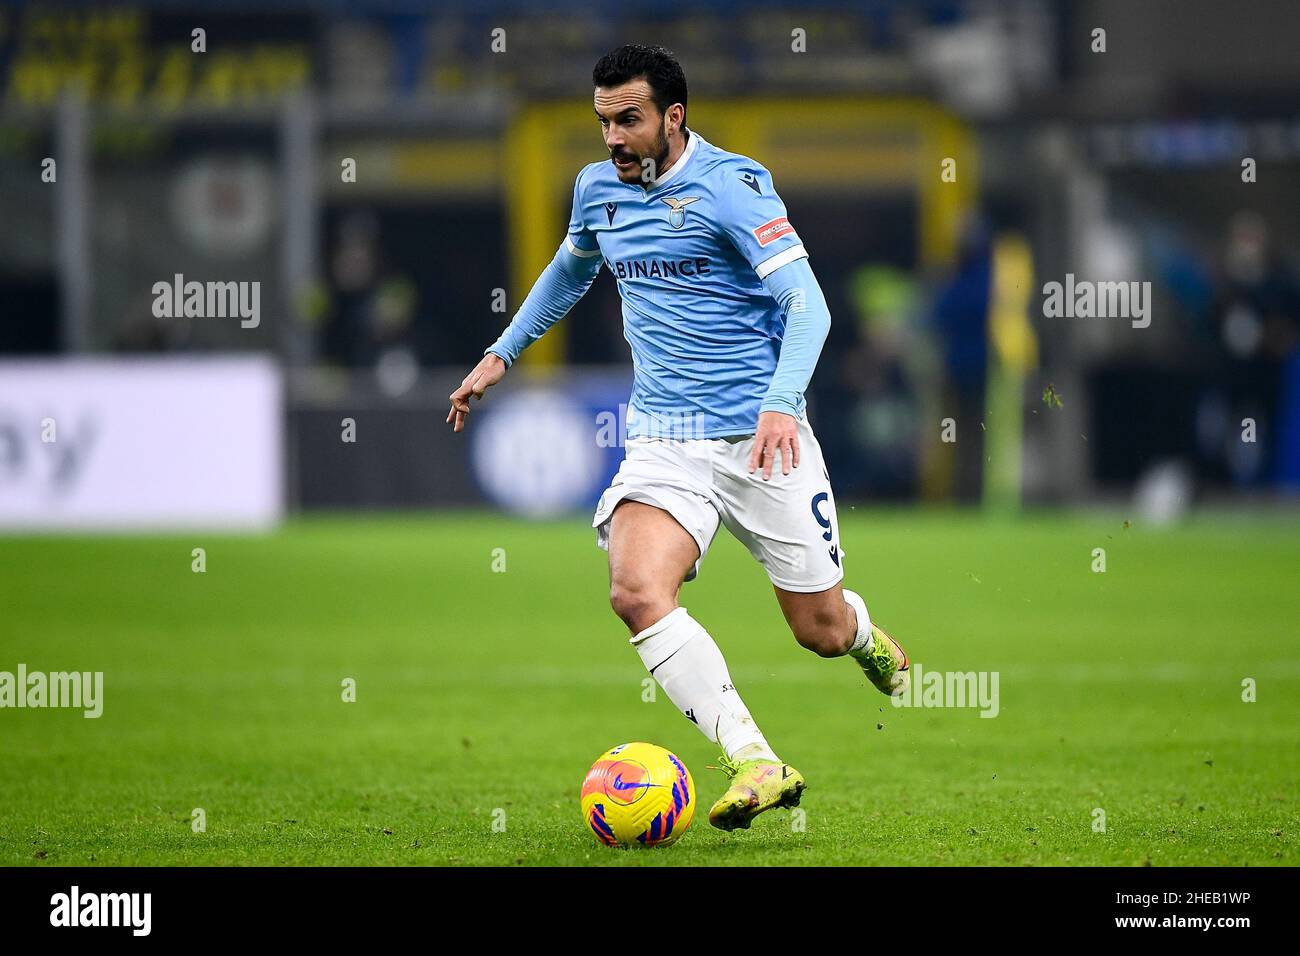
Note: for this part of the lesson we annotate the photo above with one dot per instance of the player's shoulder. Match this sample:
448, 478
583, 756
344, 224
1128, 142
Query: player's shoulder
727, 170
717, 158
594, 175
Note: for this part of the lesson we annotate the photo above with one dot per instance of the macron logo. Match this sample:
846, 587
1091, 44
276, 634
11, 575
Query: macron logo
103, 909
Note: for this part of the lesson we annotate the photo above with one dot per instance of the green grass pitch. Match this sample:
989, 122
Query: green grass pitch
483, 696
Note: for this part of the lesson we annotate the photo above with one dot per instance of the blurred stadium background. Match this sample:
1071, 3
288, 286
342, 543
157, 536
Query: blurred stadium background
466, 123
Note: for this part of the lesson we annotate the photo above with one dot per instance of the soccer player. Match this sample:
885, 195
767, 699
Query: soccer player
726, 322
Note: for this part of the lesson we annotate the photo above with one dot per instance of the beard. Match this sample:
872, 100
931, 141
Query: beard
658, 154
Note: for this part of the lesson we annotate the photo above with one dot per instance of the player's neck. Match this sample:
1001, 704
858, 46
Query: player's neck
676, 148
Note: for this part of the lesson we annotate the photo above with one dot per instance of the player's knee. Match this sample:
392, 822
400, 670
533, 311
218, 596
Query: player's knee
823, 633
637, 604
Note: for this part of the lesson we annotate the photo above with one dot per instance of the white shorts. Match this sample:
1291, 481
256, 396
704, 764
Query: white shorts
787, 522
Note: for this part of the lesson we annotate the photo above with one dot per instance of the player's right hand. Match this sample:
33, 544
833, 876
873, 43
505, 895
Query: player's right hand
490, 370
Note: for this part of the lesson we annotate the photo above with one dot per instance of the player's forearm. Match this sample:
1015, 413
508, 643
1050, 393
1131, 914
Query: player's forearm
807, 322
562, 283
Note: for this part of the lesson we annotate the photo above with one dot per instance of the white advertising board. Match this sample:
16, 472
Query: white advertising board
141, 444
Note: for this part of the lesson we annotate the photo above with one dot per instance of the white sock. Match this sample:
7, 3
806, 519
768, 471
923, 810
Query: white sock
683, 658
862, 639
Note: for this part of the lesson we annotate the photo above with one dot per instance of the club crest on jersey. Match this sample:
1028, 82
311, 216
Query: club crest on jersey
677, 217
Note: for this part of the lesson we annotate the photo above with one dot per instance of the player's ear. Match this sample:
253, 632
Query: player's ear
676, 118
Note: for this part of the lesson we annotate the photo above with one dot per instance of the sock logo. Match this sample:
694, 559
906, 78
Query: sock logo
690, 715
727, 687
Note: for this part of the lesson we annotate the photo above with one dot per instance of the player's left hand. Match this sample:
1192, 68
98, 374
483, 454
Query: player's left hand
777, 431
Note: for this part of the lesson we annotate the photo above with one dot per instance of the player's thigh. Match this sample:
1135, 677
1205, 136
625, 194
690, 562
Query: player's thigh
787, 522
650, 554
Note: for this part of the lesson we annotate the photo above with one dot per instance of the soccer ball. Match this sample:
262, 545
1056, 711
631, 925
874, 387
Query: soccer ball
638, 794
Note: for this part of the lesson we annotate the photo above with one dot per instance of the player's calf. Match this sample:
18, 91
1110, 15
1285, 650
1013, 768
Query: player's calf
820, 621
835, 622
826, 634
881, 658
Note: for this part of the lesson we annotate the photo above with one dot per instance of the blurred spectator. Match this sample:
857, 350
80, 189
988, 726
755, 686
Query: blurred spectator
960, 319
1258, 315
880, 390
371, 319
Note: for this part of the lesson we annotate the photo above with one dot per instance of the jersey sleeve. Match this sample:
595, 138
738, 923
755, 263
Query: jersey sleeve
807, 322
556, 291
580, 240
754, 218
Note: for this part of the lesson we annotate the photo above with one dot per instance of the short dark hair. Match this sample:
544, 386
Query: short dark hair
658, 66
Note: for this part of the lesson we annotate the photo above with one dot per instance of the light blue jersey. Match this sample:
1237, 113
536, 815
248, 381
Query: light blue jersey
694, 257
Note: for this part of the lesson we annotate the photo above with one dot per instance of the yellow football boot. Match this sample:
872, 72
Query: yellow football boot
885, 664
756, 785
